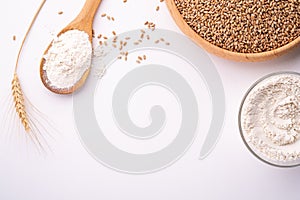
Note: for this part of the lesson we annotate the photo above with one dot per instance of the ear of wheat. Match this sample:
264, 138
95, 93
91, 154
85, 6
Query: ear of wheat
19, 102
31, 125
17, 93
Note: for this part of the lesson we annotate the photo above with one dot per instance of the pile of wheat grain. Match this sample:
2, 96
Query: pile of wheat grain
245, 26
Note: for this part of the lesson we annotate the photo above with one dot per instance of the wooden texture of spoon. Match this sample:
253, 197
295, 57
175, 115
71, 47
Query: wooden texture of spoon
240, 57
83, 22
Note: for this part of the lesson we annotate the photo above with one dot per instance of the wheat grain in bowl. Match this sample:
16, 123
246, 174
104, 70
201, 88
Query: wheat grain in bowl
248, 29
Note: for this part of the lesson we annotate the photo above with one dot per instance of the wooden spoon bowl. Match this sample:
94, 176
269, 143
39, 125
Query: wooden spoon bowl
83, 22
241, 57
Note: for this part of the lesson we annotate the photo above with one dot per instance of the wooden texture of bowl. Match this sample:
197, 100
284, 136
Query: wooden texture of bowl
241, 57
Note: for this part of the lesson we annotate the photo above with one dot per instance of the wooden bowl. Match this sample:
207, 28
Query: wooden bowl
241, 57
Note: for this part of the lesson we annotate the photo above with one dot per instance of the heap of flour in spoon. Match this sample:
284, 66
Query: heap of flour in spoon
68, 58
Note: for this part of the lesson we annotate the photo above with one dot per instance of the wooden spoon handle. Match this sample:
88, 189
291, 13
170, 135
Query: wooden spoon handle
88, 11
84, 20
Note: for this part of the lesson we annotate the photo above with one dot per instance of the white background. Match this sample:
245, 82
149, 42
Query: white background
229, 172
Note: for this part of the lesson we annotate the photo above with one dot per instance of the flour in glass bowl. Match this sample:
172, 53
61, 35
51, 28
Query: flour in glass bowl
270, 119
68, 58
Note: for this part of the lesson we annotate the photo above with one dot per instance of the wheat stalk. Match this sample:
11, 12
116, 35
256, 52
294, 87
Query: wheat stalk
17, 93
19, 103
18, 97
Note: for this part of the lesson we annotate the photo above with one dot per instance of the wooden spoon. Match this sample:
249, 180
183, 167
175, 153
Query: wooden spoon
241, 57
83, 22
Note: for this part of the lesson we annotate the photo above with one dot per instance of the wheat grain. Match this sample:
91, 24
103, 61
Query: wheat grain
244, 26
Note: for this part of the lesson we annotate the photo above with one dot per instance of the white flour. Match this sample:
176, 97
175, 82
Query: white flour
270, 118
68, 58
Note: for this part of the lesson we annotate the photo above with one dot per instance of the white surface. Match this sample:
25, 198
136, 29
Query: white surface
229, 172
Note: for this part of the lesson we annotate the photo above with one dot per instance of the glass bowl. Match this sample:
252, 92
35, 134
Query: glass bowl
254, 148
